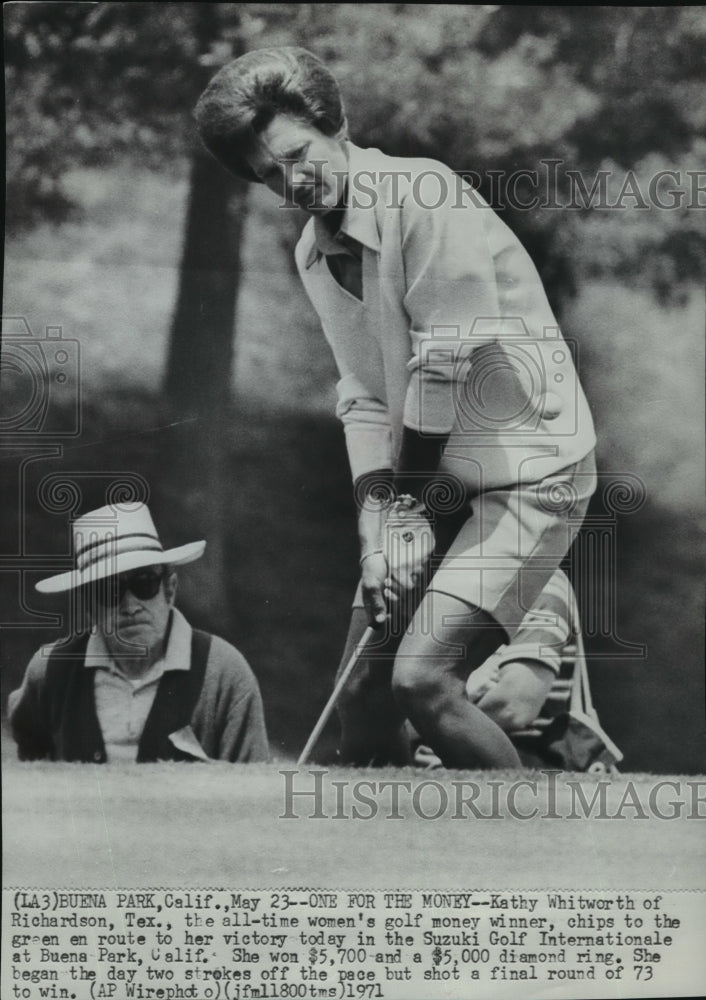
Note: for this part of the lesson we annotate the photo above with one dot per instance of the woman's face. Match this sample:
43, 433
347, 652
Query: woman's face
301, 164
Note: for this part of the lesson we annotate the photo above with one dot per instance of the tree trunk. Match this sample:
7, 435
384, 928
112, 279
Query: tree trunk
197, 383
198, 380
201, 344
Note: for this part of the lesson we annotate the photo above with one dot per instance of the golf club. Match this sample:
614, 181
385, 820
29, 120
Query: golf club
335, 695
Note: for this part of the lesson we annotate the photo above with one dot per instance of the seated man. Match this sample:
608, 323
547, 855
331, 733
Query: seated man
141, 685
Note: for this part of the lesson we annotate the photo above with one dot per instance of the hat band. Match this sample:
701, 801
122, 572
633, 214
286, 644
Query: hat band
113, 547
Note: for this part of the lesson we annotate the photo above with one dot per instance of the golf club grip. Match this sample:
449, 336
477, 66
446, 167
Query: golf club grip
335, 695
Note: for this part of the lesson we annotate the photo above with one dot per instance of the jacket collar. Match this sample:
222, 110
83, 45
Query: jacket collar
359, 221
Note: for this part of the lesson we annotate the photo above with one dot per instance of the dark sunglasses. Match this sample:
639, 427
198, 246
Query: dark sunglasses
143, 583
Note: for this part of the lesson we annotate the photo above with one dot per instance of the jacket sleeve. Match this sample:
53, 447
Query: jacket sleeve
244, 736
451, 297
26, 712
366, 424
229, 719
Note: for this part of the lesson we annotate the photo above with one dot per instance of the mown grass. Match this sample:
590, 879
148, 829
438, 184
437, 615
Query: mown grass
221, 825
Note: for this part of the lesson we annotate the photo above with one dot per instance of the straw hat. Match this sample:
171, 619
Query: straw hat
116, 539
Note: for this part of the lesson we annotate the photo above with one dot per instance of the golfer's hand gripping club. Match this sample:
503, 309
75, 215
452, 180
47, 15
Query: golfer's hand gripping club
397, 542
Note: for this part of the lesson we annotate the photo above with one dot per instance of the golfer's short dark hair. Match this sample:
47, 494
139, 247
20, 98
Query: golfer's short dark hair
245, 95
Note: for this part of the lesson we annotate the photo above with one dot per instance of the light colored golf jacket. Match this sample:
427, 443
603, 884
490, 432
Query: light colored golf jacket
454, 333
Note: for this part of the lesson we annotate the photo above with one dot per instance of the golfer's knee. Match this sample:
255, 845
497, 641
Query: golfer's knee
415, 684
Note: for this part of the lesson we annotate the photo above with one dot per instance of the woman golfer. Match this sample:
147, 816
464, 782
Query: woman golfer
469, 437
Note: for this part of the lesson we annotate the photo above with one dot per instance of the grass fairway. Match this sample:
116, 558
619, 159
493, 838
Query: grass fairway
68, 825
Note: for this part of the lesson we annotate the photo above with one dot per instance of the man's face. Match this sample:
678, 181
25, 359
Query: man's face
131, 611
301, 164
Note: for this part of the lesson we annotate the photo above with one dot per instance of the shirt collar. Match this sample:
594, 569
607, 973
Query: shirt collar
358, 222
177, 655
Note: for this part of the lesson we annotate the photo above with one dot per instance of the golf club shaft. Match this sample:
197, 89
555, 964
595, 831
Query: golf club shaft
335, 695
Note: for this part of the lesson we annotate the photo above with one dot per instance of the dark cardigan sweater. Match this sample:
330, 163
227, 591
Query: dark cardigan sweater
53, 715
